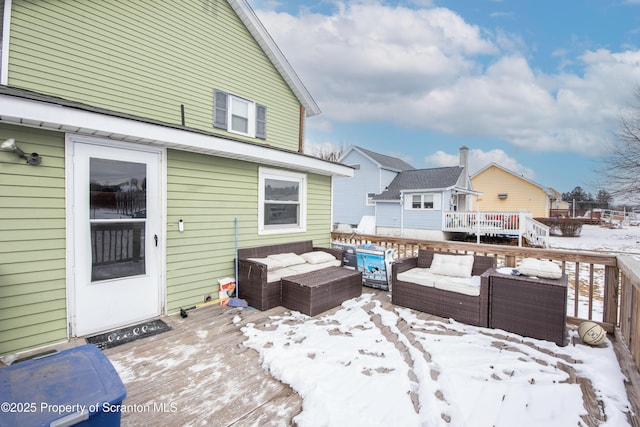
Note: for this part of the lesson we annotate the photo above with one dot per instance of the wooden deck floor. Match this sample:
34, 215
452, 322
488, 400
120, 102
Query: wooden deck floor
199, 373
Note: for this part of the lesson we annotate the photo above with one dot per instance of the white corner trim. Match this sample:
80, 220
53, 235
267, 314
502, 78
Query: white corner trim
6, 31
69, 237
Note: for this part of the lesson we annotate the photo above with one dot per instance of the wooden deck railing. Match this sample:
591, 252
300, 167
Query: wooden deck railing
629, 320
594, 280
603, 288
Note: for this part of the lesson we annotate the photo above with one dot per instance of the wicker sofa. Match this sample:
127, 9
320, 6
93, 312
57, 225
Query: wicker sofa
417, 284
259, 280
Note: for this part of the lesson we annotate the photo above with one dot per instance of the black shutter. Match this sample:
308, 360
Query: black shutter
261, 121
220, 109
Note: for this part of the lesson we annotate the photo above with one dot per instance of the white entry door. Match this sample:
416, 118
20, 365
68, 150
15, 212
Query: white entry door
116, 235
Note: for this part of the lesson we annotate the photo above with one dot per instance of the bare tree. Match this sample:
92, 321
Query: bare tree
328, 152
603, 196
621, 167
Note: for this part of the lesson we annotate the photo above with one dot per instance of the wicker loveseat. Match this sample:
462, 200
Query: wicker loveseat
463, 296
259, 279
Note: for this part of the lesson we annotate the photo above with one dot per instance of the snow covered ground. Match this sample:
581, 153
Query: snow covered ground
599, 239
358, 368
602, 239
362, 365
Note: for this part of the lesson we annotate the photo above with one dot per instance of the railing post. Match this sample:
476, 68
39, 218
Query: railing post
610, 309
521, 226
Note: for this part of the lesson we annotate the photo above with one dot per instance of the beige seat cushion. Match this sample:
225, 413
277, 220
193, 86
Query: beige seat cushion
419, 276
462, 285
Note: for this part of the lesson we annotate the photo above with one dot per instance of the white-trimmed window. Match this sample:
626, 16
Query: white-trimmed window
282, 201
370, 197
239, 115
422, 201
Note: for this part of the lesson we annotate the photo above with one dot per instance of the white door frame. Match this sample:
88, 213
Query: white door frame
70, 141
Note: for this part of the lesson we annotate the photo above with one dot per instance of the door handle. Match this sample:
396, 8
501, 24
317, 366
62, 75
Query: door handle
155, 237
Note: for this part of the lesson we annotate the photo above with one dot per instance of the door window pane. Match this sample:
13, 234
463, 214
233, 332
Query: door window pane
118, 189
117, 214
117, 250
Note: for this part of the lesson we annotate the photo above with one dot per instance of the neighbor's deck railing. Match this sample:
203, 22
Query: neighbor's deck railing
608, 216
494, 223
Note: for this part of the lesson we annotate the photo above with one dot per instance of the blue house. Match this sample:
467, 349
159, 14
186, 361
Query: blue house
388, 196
353, 197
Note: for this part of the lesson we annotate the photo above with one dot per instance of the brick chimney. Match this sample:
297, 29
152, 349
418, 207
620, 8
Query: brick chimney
464, 162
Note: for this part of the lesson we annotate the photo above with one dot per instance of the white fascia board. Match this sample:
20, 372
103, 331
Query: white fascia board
425, 190
440, 190
26, 112
275, 55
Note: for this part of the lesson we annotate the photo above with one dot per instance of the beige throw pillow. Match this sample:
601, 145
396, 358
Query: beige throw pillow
287, 259
271, 264
452, 265
318, 257
540, 268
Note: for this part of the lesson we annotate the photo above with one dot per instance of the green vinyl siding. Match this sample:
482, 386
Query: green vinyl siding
208, 193
147, 58
32, 242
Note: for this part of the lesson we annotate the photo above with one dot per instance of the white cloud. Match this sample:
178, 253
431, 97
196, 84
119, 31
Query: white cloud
478, 159
427, 68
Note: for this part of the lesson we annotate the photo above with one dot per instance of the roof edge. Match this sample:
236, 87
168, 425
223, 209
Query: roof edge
275, 55
25, 108
522, 177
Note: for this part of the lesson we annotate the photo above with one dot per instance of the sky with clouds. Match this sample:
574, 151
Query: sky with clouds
537, 86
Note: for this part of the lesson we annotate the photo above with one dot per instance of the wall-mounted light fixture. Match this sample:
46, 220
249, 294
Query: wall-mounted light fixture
502, 196
10, 145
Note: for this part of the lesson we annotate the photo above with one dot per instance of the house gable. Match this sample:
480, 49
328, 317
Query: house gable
381, 161
504, 190
72, 73
82, 51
